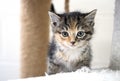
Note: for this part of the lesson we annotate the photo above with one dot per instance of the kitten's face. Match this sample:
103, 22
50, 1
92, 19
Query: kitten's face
72, 30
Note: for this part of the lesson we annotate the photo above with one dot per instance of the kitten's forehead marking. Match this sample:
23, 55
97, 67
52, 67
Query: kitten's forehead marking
71, 21
73, 24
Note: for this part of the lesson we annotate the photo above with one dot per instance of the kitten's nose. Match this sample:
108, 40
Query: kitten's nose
73, 42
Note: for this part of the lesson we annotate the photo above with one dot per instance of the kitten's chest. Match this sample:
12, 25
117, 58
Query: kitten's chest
73, 55
70, 55
69, 58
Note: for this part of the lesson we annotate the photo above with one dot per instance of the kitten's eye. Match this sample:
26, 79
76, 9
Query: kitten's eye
65, 34
80, 34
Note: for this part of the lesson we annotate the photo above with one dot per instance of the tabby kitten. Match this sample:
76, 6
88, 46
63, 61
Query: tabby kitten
70, 47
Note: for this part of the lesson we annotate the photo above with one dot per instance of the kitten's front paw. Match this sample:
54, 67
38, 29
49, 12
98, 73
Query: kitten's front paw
84, 69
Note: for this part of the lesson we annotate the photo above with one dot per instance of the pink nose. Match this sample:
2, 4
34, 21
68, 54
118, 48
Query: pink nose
73, 42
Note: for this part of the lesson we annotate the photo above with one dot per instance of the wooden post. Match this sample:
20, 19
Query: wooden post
34, 37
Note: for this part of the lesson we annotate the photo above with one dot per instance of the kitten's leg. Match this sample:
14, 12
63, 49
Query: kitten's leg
85, 66
84, 69
52, 68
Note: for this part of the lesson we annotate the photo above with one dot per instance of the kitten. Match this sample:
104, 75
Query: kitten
70, 47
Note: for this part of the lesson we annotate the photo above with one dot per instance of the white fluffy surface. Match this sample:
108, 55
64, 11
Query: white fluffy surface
95, 75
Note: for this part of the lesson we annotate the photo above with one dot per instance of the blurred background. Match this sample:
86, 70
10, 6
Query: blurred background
9, 39
10, 33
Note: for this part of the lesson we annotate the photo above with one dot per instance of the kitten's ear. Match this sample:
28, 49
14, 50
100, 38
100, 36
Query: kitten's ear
54, 18
90, 17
